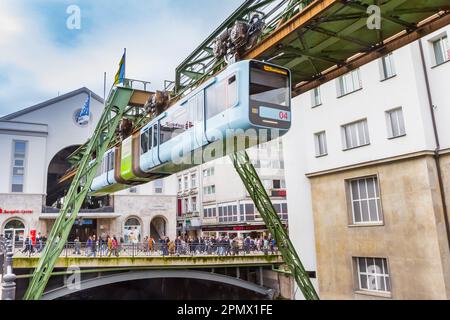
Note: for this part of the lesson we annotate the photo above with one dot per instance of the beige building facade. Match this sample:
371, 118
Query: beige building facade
409, 235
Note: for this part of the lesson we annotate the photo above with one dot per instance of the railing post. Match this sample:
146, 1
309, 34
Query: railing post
9, 284
2, 255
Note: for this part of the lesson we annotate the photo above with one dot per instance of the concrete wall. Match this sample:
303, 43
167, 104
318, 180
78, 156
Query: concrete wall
145, 208
34, 179
417, 258
22, 202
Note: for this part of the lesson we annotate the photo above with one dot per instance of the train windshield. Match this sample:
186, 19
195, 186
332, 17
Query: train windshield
269, 85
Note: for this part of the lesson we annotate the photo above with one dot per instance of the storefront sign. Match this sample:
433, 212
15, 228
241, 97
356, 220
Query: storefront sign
4, 211
33, 236
235, 228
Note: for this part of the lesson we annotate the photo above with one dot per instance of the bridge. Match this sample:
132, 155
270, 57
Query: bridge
155, 262
256, 273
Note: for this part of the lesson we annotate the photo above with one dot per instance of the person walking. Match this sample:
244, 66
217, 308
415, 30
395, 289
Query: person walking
109, 245
94, 245
89, 251
115, 246
266, 246
171, 246
77, 246
150, 245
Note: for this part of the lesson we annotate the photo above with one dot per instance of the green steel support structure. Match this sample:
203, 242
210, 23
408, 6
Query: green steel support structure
104, 133
261, 199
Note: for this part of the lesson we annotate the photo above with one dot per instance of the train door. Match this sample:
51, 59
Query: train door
155, 143
147, 146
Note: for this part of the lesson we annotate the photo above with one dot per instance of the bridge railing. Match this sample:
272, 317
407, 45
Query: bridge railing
102, 250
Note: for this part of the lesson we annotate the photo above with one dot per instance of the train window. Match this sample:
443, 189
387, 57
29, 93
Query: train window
150, 132
155, 135
144, 141
269, 87
175, 124
216, 99
110, 161
200, 99
232, 91
99, 170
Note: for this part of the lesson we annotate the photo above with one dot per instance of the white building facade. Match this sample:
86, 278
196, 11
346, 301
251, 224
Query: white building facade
212, 200
368, 181
34, 144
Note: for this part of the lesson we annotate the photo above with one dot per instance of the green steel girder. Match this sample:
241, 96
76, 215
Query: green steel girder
201, 64
103, 134
261, 199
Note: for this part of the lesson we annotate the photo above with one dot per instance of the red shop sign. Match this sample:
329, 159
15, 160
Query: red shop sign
3, 211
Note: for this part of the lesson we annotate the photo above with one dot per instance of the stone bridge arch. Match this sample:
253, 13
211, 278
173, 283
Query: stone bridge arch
157, 274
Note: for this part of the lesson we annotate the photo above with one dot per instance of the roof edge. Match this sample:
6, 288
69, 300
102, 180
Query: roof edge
52, 101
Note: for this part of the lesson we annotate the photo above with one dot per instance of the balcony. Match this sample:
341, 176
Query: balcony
192, 214
278, 193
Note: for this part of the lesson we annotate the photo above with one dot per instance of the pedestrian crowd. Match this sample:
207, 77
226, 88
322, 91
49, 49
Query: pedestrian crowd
107, 246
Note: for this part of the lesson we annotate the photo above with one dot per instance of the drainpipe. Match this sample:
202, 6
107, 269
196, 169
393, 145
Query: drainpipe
438, 145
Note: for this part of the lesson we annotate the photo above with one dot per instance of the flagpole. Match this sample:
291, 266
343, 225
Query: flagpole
124, 63
104, 86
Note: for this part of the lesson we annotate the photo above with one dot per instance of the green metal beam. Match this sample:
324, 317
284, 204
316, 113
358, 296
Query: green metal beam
261, 199
277, 11
103, 134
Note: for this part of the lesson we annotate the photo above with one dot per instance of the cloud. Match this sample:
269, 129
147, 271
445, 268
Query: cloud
41, 57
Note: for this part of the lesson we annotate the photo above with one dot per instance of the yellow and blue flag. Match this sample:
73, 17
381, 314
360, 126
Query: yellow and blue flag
120, 75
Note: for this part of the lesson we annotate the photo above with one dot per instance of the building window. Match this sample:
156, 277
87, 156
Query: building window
193, 180
159, 186
256, 163
194, 204
365, 201
132, 230
133, 190
14, 230
208, 172
441, 50
186, 182
186, 205
18, 165
348, 83
373, 274
315, 97
209, 212
320, 140
209, 190
279, 184
247, 211
355, 134
395, 123
387, 66
228, 213
275, 164
281, 209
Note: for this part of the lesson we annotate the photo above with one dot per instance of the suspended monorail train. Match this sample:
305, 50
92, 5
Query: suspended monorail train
246, 96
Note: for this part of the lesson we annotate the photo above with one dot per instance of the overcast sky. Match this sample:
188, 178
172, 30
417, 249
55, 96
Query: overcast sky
40, 57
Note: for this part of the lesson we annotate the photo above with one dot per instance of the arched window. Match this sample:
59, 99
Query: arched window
15, 230
132, 230
15, 224
158, 228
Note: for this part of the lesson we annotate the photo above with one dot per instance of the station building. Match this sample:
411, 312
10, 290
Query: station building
34, 145
368, 174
